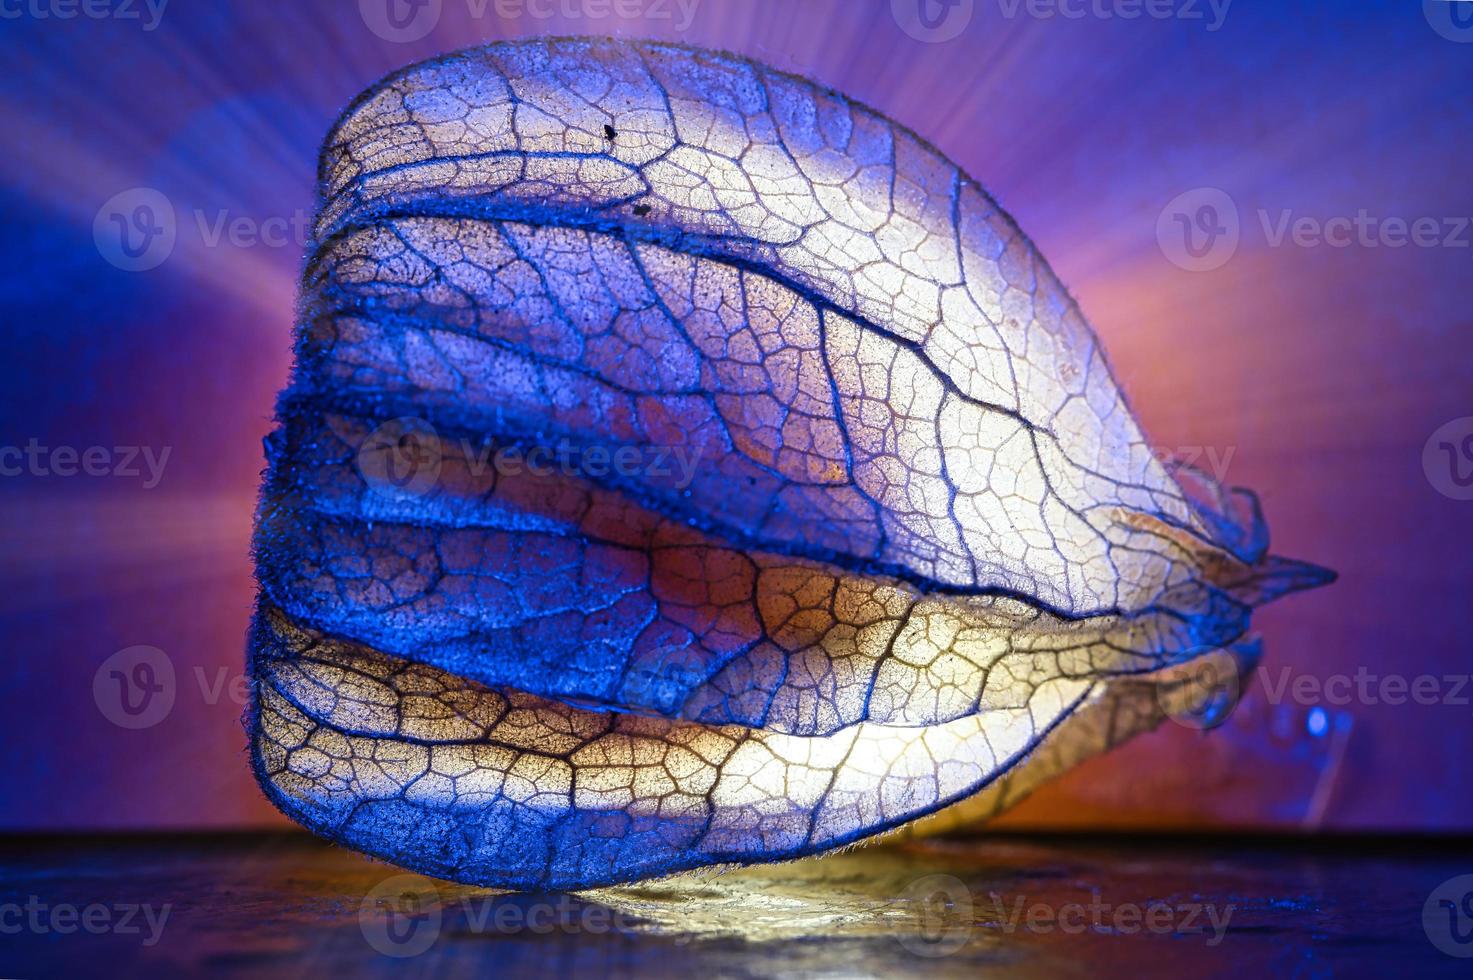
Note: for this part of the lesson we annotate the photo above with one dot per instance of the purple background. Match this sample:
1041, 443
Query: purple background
1314, 374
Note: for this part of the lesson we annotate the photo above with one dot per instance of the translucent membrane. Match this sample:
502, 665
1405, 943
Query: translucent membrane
686, 465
